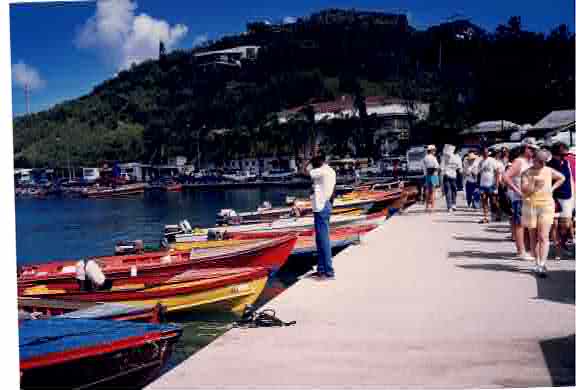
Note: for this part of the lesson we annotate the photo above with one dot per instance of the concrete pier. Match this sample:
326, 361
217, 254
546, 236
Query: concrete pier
427, 300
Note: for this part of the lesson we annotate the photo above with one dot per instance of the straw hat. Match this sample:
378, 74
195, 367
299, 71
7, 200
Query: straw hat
531, 142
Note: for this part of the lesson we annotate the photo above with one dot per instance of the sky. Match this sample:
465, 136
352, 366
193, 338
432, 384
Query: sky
62, 50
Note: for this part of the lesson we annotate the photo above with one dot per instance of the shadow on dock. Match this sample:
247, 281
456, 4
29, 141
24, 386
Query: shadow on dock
496, 267
559, 356
482, 255
479, 239
558, 286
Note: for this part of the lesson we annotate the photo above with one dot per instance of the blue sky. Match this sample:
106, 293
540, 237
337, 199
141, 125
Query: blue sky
63, 56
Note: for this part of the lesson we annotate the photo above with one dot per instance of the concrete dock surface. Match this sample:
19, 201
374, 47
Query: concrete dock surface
427, 300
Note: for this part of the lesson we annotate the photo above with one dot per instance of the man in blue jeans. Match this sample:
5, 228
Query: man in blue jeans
323, 183
450, 166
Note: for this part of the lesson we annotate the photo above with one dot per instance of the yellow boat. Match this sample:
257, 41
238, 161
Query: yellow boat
220, 289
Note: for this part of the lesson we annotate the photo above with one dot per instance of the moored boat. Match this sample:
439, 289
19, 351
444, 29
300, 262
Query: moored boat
227, 289
112, 192
45, 308
293, 224
160, 266
61, 353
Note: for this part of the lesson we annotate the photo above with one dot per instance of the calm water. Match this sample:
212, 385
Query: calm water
74, 228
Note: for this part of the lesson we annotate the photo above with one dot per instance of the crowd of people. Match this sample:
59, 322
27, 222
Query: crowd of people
532, 186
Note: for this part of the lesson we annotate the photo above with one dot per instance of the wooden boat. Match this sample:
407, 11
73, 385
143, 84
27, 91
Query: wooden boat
45, 308
228, 289
228, 217
163, 186
340, 237
61, 353
279, 225
160, 266
113, 192
364, 199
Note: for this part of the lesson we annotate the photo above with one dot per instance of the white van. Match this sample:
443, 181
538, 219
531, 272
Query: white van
90, 175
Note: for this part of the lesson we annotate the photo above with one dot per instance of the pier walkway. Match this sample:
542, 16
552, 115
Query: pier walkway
428, 300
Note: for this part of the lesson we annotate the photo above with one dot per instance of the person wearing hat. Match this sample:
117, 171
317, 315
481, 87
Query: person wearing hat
431, 167
512, 180
538, 183
450, 166
470, 171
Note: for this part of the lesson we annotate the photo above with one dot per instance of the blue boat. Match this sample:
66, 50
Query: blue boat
63, 353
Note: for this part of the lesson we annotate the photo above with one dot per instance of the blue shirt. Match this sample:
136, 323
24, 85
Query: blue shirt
565, 190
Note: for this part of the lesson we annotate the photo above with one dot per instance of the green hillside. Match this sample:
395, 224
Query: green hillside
168, 106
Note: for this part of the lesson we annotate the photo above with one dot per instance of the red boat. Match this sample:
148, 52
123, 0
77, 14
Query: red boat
335, 233
159, 266
61, 353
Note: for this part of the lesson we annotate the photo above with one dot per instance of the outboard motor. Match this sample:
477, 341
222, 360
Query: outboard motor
90, 276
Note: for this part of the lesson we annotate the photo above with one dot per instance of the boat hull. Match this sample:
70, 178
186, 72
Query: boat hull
203, 290
160, 266
131, 356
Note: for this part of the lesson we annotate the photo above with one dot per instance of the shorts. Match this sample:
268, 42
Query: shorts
566, 208
491, 190
431, 181
516, 212
531, 214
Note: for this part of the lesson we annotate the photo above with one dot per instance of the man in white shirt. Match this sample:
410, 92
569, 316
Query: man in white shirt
450, 166
323, 183
489, 172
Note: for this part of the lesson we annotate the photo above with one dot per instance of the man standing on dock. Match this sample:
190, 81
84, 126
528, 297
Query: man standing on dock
323, 183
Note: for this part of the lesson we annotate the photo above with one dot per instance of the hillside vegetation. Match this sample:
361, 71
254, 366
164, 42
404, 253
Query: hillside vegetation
171, 106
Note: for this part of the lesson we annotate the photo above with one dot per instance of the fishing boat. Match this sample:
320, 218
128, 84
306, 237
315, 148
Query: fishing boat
239, 176
44, 308
340, 237
163, 185
160, 266
114, 192
62, 353
225, 289
292, 224
267, 213
275, 175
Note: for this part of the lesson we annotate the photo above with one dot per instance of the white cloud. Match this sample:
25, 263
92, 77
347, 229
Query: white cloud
200, 39
289, 20
23, 75
125, 38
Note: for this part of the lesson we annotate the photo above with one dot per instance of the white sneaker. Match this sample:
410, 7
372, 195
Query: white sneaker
525, 256
453, 208
536, 269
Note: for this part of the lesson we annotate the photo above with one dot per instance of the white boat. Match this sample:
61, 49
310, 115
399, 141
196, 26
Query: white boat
279, 225
240, 176
278, 175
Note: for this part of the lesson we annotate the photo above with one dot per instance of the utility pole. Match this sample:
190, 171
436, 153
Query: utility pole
440, 56
27, 97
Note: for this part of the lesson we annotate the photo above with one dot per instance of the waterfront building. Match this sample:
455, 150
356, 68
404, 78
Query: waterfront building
392, 118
